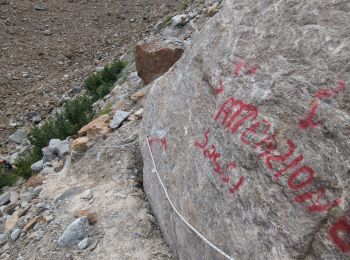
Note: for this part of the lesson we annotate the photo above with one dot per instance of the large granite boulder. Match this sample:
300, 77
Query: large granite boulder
250, 134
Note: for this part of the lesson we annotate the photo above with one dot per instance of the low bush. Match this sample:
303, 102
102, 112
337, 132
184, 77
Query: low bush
7, 178
100, 83
74, 115
23, 163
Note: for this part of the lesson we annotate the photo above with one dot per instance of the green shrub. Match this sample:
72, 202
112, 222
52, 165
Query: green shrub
92, 84
167, 20
7, 178
77, 113
23, 163
74, 115
100, 83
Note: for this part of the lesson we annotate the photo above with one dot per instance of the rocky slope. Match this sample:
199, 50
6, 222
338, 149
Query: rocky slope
86, 198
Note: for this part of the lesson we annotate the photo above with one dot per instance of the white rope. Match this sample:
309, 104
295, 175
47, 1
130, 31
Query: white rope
154, 170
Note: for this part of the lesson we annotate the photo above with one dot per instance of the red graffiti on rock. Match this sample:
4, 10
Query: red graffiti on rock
235, 114
321, 94
241, 67
211, 153
338, 232
153, 140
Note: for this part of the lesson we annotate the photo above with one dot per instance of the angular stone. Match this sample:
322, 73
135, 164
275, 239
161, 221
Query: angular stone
84, 243
87, 195
9, 209
139, 112
47, 171
180, 20
255, 152
5, 198
13, 158
15, 234
48, 155
158, 27
14, 196
58, 147
118, 118
134, 81
37, 167
156, 56
75, 232
96, 128
80, 144
19, 136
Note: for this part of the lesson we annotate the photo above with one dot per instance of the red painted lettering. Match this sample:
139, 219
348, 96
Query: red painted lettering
252, 70
308, 122
202, 146
268, 144
340, 241
289, 166
328, 93
316, 206
153, 140
254, 128
251, 112
280, 158
238, 67
226, 110
225, 177
236, 186
301, 184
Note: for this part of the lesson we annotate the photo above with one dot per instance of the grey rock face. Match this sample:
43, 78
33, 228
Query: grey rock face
84, 243
19, 136
61, 148
180, 20
4, 198
9, 209
13, 157
158, 27
37, 167
87, 195
250, 134
118, 118
75, 232
15, 234
48, 155
47, 171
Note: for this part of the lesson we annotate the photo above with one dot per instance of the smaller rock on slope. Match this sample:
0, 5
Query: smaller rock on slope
75, 232
155, 56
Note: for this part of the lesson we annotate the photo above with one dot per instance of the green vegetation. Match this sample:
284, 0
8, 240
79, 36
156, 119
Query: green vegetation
106, 110
167, 20
100, 83
74, 115
7, 178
